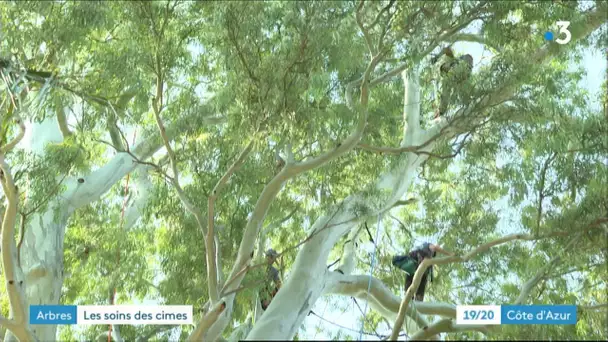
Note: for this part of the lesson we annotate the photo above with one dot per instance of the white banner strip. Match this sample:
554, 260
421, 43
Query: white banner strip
134, 314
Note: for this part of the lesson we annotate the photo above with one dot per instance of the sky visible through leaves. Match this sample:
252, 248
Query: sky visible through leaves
344, 312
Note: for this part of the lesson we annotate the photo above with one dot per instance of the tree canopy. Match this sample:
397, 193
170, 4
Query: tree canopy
162, 147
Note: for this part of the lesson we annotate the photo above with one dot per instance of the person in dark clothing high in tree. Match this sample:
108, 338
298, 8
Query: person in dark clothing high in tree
409, 264
273, 281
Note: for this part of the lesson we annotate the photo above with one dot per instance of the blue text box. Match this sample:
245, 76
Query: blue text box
53, 314
538, 314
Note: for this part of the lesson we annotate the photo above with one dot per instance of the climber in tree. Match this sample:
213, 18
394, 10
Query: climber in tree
454, 71
410, 262
273, 281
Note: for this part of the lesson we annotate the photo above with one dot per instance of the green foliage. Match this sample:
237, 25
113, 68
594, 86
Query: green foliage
280, 69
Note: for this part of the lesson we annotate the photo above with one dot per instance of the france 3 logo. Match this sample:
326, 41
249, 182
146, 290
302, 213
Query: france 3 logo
563, 31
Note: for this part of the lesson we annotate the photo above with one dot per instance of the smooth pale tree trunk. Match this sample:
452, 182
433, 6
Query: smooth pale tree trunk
42, 250
42, 253
310, 278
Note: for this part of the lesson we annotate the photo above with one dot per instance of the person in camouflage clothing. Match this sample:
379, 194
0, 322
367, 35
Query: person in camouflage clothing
273, 280
453, 71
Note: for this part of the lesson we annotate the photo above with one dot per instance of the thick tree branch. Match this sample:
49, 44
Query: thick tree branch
99, 181
309, 275
269, 193
542, 273
206, 322
348, 260
13, 274
481, 249
211, 248
249, 267
62, 120
381, 299
411, 107
473, 38
143, 185
10, 145
445, 326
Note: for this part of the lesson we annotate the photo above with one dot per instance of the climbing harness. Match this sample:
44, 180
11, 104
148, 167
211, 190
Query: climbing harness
371, 271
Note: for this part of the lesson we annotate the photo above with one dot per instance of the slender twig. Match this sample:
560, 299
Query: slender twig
248, 286
233, 39
385, 28
592, 307
333, 263
366, 35
382, 11
541, 189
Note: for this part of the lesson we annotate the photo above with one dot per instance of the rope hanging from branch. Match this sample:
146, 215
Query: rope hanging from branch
122, 222
371, 272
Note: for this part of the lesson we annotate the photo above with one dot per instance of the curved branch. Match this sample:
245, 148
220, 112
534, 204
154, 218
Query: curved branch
142, 186
290, 170
309, 275
364, 30
210, 241
206, 322
62, 120
101, 180
13, 274
530, 284
348, 261
482, 248
473, 38
8, 147
381, 299
445, 326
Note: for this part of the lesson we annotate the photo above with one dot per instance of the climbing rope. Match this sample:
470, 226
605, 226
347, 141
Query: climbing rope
350, 329
322, 314
371, 271
122, 220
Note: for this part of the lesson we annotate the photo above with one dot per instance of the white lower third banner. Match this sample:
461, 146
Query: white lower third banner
134, 314
111, 314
